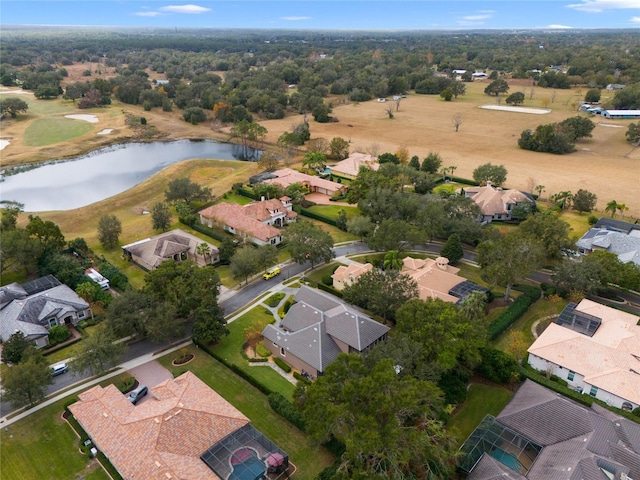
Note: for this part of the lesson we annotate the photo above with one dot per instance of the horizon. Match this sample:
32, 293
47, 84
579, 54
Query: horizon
327, 15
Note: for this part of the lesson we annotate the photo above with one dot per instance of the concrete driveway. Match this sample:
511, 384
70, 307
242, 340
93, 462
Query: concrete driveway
150, 374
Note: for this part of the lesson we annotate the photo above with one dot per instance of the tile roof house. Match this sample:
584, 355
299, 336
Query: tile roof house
615, 236
345, 276
176, 245
34, 307
595, 349
317, 328
541, 435
174, 434
349, 167
496, 203
256, 221
288, 176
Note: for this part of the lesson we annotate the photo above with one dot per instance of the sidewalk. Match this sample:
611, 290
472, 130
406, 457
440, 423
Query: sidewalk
82, 385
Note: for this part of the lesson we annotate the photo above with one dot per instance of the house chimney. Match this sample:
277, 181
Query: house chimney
488, 183
262, 198
442, 263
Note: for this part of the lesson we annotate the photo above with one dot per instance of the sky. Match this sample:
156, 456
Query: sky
328, 14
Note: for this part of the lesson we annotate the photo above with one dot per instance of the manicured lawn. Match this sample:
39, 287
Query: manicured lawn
450, 187
230, 348
308, 457
332, 211
317, 274
230, 197
337, 235
46, 131
481, 400
43, 446
73, 349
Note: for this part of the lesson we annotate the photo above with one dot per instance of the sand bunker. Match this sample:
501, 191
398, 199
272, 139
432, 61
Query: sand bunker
106, 131
3, 143
83, 117
535, 111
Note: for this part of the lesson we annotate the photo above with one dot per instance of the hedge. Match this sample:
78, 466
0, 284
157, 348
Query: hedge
209, 232
275, 299
515, 311
318, 216
286, 409
247, 192
282, 365
329, 289
301, 378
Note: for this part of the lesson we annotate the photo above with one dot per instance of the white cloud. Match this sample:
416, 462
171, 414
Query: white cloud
189, 9
295, 19
597, 6
147, 14
634, 19
475, 18
556, 26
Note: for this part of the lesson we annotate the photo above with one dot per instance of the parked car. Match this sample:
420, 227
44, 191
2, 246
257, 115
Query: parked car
136, 394
59, 369
272, 272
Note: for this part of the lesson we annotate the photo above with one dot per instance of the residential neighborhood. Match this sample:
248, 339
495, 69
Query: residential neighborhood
275, 253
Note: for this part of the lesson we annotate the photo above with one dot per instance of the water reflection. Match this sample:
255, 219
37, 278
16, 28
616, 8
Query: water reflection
66, 185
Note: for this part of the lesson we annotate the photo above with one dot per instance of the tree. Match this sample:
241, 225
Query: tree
456, 121
508, 260
315, 161
547, 138
109, 230
26, 383
446, 334
431, 163
497, 87
308, 243
392, 234
392, 260
516, 98
243, 263
447, 94
14, 347
187, 191
19, 251
382, 293
46, 232
12, 106
592, 95
338, 148
539, 189
474, 306
297, 192
549, 229
321, 113
612, 207
360, 226
452, 249
97, 353
194, 115
633, 133
161, 216
267, 256
458, 88
414, 162
496, 174
577, 127
584, 201
269, 161
387, 422
204, 250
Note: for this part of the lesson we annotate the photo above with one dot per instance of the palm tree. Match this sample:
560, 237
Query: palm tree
203, 250
612, 207
392, 260
622, 208
539, 189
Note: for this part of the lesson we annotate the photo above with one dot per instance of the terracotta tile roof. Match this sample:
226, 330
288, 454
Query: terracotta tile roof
354, 270
288, 176
162, 437
606, 360
233, 215
351, 165
492, 200
435, 278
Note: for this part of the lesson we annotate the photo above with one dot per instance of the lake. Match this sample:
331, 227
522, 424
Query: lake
74, 183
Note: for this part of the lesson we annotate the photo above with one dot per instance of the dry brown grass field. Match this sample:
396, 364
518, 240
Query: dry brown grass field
604, 164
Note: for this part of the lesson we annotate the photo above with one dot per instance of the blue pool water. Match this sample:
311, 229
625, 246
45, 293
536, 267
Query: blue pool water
507, 459
250, 469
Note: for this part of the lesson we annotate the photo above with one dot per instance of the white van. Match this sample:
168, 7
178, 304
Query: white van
59, 369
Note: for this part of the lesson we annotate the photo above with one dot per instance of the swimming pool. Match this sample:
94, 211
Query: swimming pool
507, 459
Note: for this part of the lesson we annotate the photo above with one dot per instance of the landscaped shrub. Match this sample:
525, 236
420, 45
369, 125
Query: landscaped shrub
286, 409
636, 412
498, 366
262, 350
329, 289
301, 378
275, 299
282, 365
126, 385
592, 219
327, 280
515, 311
58, 334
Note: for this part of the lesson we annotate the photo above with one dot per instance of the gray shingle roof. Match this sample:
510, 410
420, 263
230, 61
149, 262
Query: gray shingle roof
625, 245
311, 325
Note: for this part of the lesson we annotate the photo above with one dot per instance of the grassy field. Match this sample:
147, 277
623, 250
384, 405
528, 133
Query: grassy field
230, 348
481, 400
308, 457
48, 131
